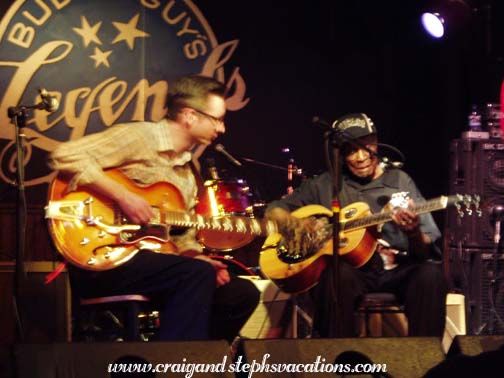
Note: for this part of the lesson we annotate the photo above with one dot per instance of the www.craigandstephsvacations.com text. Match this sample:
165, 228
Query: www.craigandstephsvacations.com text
239, 366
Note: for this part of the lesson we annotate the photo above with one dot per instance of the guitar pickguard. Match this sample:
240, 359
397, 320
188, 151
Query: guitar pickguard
155, 231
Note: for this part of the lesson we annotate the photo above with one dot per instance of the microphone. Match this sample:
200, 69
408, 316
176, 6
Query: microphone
231, 158
212, 169
316, 120
49, 102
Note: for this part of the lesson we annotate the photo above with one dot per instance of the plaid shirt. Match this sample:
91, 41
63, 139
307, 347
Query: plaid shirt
143, 151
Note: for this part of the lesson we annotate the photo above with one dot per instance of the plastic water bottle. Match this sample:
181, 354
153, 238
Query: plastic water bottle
474, 119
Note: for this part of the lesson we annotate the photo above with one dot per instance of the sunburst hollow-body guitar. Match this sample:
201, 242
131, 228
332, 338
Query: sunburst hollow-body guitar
92, 233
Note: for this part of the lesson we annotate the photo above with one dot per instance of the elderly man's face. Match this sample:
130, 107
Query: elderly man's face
359, 161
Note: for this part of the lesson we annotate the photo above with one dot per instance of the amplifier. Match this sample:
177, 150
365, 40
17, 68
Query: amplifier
476, 168
472, 272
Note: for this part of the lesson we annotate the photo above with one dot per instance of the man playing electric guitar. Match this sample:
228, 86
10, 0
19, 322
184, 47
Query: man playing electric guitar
416, 281
198, 297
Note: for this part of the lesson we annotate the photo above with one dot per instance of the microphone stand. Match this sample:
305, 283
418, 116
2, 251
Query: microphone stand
18, 118
291, 170
334, 168
336, 138
258, 162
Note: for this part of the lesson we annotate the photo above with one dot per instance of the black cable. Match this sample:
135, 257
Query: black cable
395, 149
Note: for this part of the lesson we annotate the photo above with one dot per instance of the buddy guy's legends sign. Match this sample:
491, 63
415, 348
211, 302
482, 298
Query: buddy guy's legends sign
106, 62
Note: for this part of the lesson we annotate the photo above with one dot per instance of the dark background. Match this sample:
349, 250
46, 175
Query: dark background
329, 58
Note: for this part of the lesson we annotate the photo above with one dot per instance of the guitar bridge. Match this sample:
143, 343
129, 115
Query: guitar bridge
285, 255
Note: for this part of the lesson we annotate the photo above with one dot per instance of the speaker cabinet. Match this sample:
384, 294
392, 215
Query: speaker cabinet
472, 356
477, 168
403, 356
472, 272
475, 345
84, 360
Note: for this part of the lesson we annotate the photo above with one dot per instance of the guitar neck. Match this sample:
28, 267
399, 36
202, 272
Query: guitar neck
81, 210
380, 218
234, 224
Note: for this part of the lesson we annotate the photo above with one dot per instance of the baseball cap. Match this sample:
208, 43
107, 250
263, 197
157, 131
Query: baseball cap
355, 125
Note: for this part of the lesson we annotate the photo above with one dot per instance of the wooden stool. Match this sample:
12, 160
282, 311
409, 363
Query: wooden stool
373, 307
129, 306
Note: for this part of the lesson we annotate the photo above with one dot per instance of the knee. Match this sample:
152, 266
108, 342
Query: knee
204, 272
428, 271
348, 275
241, 294
430, 275
254, 294
249, 293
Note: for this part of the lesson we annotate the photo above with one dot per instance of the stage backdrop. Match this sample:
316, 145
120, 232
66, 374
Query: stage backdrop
105, 62
111, 61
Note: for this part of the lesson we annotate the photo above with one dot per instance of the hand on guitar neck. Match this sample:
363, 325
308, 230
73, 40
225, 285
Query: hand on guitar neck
405, 218
409, 222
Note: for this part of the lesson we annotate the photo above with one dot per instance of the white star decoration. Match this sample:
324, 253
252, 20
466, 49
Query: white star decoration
128, 31
88, 33
101, 57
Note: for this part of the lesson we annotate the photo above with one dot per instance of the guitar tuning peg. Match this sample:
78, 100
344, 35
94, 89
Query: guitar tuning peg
467, 204
477, 201
457, 205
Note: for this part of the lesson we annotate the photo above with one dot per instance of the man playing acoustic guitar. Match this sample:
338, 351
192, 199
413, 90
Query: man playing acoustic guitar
198, 297
415, 279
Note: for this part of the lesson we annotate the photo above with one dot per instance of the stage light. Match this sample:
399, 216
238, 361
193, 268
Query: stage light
445, 17
433, 24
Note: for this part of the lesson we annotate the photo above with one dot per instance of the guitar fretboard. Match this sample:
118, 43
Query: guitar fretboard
238, 224
379, 218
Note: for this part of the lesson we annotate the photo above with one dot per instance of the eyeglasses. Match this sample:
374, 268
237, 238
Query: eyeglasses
213, 118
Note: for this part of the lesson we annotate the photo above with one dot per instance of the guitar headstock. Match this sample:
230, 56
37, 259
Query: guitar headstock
467, 204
